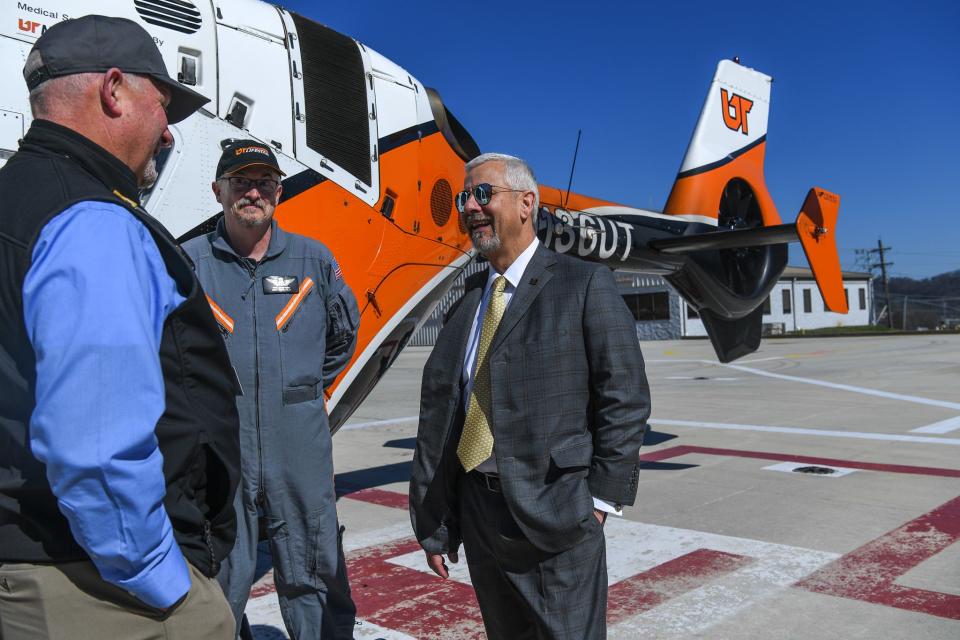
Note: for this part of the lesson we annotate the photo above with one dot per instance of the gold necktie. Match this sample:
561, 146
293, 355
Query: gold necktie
476, 442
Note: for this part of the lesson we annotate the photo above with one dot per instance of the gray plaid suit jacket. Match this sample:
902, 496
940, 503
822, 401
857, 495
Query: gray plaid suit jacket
570, 403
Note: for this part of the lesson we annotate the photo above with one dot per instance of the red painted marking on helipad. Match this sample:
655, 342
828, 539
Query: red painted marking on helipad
869, 573
671, 579
411, 601
381, 497
680, 450
263, 590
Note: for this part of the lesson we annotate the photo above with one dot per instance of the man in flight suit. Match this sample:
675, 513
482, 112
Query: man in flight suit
289, 321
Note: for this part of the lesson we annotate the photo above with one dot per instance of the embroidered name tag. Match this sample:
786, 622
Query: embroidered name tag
281, 284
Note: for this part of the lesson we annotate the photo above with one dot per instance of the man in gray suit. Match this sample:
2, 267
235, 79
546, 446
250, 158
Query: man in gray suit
533, 407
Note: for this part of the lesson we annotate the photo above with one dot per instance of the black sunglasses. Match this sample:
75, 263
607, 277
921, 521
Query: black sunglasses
482, 192
264, 185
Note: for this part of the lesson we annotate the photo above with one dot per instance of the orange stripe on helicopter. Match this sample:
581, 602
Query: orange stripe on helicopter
699, 193
552, 197
220, 315
287, 312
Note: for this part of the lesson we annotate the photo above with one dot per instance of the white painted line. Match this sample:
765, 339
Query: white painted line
635, 547
763, 359
379, 423
944, 426
774, 569
791, 467
842, 387
701, 378
861, 435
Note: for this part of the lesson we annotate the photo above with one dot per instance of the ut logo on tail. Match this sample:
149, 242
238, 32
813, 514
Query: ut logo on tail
735, 110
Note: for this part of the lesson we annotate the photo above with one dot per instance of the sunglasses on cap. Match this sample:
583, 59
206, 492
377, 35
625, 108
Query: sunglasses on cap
482, 193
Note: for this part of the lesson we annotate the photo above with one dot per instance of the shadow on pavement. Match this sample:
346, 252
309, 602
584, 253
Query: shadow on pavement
353, 481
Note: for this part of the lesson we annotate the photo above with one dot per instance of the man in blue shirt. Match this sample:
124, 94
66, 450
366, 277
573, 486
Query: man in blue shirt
119, 453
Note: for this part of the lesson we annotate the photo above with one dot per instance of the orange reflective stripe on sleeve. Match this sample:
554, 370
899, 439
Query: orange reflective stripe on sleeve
287, 312
221, 316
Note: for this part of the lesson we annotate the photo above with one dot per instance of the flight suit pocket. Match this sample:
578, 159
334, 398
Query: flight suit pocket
306, 553
343, 318
300, 331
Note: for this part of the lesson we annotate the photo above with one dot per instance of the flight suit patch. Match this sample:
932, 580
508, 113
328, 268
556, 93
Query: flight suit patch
281, 284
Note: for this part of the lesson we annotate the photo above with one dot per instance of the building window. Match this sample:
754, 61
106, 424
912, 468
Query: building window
846, 296
863, 299
692, 313
648, 306
766, 305
787, 302
807, 301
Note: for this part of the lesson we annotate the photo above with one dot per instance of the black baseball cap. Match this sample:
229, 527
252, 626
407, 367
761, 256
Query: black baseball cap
239, 154
95, 43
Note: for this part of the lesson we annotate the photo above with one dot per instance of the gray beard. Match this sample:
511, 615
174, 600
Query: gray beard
486, 245
149, 177
255, 220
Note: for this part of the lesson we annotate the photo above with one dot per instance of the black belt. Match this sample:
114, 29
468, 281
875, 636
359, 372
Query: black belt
489, 481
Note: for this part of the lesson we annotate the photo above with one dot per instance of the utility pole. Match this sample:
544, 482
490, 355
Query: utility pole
883, 264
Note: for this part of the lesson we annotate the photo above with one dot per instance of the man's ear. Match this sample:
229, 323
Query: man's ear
527, 200
215, 185
112, 86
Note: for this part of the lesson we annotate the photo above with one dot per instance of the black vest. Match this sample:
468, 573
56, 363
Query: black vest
198, 431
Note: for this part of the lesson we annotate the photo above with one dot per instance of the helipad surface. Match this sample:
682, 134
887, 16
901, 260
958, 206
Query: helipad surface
727, 538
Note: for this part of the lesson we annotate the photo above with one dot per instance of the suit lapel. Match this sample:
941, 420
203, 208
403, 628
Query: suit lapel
535, 277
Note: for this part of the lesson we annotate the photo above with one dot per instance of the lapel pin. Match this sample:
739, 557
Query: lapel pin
534, 280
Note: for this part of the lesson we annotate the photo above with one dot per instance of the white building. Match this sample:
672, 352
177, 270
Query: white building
661, 314
795, 304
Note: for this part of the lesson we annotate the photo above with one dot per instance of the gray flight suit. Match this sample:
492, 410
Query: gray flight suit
290, 324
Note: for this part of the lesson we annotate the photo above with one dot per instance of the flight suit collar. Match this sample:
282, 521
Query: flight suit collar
278, 240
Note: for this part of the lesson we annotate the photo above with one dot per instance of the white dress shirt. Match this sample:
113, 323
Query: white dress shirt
514, 275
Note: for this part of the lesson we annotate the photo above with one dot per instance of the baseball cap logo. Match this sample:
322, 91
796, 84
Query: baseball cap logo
242, 150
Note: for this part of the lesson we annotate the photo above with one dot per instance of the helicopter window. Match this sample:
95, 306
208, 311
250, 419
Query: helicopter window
334, 86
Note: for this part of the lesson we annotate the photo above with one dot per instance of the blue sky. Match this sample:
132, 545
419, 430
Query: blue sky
865, 102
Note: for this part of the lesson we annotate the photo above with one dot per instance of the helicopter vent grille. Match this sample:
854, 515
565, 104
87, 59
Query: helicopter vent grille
441, 202
178, 15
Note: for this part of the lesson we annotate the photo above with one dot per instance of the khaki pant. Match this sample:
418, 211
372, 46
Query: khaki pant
71, 601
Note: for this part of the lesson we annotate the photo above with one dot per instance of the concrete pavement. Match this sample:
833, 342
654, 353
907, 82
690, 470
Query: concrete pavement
727, 539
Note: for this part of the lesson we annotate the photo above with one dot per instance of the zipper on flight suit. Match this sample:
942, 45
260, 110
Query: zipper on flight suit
251, 267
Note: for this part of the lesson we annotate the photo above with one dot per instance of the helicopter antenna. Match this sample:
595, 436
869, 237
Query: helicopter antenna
572, 167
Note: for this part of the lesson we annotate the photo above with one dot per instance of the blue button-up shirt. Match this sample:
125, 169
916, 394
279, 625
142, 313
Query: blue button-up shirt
95, 300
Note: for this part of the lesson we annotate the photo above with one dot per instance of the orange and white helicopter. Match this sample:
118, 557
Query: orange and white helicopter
373, 158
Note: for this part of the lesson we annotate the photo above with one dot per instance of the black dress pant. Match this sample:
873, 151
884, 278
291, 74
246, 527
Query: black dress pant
525, 592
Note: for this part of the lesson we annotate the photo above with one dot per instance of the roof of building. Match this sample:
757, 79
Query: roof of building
804, 272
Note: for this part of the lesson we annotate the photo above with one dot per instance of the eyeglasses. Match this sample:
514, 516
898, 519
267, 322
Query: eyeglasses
263, 185
482, 192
